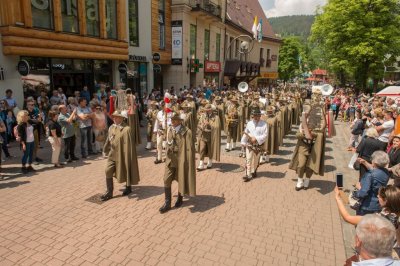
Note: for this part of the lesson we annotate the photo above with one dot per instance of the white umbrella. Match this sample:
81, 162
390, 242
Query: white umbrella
390, 91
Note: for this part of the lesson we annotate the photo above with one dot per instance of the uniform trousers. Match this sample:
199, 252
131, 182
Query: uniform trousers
204, 149
252, 161
232, 134
111, 170
160, 145
303, 155
169, 176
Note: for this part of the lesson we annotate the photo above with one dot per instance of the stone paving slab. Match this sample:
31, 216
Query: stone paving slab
46, 219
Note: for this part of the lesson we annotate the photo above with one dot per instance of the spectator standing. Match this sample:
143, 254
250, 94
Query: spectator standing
77, 96
85, 94
62, 96
386, 128
357, 129
55, 98
10, 100
99, 128
376, 177
25, 132
55, 138
10, 122
35, 119
72, 104
336, 105
85, 125
66, 121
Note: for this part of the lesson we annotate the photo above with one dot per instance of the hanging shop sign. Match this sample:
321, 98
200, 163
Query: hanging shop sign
157, 68
137, 58
23, 68
177, 32
211, 66
2, 74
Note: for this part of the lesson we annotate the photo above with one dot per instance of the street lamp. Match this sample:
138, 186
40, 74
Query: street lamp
245, 48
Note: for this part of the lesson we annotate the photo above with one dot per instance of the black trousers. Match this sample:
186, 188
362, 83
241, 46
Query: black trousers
69, 147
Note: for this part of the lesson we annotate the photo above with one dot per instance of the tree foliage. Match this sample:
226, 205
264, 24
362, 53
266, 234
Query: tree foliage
289, 58
355, 36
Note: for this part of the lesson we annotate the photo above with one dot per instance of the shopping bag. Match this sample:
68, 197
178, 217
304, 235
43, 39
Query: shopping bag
353, 160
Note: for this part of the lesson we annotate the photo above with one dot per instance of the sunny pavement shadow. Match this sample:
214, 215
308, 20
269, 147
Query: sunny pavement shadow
203, 203
12, 184
145, 192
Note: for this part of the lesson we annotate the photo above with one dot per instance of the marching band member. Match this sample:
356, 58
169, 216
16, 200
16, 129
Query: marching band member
180, 162
163, 121
232, 123
254, 136
151, 120
209, 137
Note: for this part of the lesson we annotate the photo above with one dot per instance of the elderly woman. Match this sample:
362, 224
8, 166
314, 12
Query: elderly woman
367, 147
376, 177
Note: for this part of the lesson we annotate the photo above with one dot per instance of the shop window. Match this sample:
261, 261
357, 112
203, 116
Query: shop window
133, 23
42, 14
161, 23
92, 18
218, 47
206, 44
193, 39
111, 19
69, 12
102, 71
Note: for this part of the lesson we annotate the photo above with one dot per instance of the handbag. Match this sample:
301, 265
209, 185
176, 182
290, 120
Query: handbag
354, 201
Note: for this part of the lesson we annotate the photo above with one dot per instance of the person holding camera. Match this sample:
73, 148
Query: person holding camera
66, 121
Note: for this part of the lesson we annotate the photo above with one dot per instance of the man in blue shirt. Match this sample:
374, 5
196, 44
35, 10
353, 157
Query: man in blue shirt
10, 100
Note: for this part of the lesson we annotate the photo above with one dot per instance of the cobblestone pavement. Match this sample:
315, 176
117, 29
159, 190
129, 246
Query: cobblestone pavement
46, 218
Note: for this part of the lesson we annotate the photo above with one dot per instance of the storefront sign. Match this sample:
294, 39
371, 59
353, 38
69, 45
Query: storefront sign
270, 75
137, 58
274, 57
23, 68
2, 74
122, 68
212, 66
156, 57
157, 68
177, 32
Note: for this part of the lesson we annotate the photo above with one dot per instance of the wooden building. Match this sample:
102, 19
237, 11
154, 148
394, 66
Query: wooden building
73, 42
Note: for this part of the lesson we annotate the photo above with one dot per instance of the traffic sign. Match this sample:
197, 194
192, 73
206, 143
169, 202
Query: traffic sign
122, 68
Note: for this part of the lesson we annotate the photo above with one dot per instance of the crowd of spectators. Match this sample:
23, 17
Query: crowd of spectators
375, 140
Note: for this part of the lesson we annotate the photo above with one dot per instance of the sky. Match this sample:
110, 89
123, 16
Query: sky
277, 8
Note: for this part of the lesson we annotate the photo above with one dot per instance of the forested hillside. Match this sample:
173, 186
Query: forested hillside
292, 25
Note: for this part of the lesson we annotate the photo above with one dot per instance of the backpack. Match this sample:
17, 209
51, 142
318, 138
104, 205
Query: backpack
16, 135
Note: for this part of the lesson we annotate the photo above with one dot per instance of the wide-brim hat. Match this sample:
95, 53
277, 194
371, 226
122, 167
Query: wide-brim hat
218, 98
256, 111
234, 99
120, 114
176, 116
270, 109
204, 102
208, 107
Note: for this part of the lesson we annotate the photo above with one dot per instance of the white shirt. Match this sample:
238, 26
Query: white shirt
259, 131
160, 121
387, 129
29, 134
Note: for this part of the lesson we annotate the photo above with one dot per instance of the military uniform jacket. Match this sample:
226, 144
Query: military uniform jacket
181, 155
213, 136
120, 147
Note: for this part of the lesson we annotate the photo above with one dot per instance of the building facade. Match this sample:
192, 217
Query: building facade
66, 43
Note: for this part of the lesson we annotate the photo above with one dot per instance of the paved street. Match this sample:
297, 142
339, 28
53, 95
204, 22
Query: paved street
47, 219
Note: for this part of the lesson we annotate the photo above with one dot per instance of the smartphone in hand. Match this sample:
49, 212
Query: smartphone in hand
339, 180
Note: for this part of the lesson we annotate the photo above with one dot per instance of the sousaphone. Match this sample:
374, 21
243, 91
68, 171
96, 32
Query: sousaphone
243, 87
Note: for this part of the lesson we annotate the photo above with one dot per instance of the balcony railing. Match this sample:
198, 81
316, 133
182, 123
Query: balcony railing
206, 6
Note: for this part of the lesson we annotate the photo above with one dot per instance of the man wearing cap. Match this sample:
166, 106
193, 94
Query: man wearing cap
254, 136
180, 162
209, 137
122, 159
232, 123
151, 117
161, 124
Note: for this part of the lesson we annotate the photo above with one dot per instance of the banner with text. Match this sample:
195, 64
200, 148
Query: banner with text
177, 32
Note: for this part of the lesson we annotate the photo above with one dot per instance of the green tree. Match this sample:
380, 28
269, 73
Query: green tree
289, 58
355, 36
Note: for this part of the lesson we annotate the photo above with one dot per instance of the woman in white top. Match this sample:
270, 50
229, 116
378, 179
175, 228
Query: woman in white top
99, 128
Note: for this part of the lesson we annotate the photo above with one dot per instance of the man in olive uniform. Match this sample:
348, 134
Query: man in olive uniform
309, 154
180, 162
209, 137
122, 162
151, 119
232, 123
161, 124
